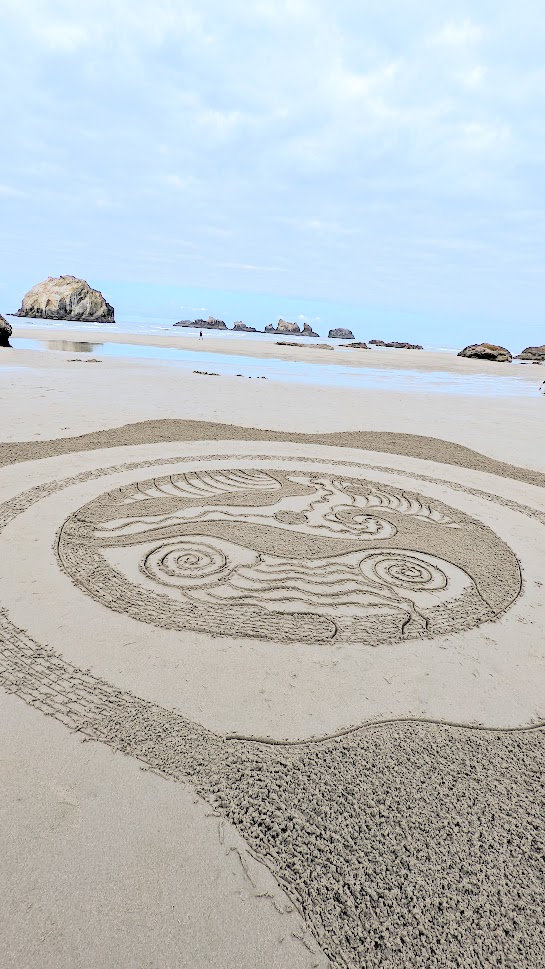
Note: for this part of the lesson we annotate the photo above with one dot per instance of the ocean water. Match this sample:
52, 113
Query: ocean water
233, 365
159, 326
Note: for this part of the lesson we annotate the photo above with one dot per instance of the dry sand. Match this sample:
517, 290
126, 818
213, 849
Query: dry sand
413, 836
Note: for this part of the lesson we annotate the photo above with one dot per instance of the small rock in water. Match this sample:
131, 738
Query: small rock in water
341, 333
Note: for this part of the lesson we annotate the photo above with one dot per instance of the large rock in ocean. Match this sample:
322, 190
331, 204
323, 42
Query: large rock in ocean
5, 332
486, 351
537, 354
341, 333
66, 298
241, 327
210, 324
283, 326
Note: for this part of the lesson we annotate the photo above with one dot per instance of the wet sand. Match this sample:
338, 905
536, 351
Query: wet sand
309, 352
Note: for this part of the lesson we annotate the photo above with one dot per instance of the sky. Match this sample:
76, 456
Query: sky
371, 163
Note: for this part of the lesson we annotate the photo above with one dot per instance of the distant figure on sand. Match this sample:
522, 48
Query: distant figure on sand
542, 388
200, 334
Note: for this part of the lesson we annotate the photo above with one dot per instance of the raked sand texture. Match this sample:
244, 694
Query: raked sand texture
336, 639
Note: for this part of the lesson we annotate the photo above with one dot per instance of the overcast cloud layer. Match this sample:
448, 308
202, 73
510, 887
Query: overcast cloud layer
386, 155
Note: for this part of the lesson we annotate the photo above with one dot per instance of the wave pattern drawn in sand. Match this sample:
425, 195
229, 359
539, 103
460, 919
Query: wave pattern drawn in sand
288, 555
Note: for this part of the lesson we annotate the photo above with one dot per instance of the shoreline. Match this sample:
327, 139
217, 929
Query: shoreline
383, 358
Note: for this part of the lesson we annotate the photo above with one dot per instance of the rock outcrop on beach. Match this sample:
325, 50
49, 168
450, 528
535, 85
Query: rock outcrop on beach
210, 324
357, 346
284, 326
244, 328
397, 344
66, 298
486, 351
5, 332
536, 354
340, 333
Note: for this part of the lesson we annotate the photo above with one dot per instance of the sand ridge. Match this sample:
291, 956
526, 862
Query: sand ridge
146, 432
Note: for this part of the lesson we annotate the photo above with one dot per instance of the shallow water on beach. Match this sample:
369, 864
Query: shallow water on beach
232, 365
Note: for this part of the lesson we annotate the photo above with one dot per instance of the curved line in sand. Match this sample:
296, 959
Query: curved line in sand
380, 723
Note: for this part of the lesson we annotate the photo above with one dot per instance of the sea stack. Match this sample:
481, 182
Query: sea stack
66, 298
341, 333
283, 326
210, 324
241, 327
5, 332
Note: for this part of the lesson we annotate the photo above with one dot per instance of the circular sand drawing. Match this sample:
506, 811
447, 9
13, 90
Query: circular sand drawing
291, 555
300, 553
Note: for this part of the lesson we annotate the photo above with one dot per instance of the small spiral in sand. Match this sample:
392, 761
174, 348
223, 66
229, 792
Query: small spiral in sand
362, 524
403, 570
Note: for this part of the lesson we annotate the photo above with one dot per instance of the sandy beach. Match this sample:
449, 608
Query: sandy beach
273, 662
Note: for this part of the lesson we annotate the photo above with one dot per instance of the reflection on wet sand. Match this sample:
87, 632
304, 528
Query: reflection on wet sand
73, 346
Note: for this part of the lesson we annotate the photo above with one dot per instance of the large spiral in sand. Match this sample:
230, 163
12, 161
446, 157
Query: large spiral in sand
189, 561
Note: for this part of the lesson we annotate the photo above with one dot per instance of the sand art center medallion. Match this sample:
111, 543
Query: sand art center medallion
289, 555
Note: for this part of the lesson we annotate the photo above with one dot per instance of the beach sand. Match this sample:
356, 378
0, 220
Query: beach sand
347, 773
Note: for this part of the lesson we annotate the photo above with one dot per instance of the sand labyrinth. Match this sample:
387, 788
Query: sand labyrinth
226, 607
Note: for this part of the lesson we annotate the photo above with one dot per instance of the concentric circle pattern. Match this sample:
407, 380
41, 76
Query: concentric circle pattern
395, 597
290, 555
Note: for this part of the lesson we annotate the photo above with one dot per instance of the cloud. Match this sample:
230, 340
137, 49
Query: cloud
8, 191
457, 34
178, 182
249, 267
474, 77
484, 137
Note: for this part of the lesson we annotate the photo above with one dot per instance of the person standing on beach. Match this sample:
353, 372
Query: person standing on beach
200, 334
